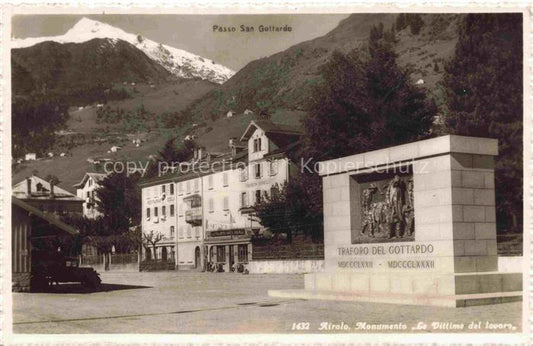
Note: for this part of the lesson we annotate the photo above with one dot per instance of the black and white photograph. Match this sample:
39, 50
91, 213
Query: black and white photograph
333, 174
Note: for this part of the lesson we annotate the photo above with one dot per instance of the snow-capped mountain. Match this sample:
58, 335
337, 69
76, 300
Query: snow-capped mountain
177, 61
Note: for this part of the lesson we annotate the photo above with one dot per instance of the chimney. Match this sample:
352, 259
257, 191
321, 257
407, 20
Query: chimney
28, 186
52, 194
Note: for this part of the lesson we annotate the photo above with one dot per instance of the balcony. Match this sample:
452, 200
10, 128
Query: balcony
194, 216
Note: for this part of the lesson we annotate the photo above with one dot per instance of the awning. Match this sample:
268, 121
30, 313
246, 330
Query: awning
49, 218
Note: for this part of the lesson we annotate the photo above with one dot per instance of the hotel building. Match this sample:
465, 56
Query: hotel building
205, 211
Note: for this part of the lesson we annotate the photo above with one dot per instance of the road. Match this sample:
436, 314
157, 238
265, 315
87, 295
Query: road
191, 302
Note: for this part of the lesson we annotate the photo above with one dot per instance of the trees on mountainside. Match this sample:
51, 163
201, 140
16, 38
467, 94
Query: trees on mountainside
364, 102
484, 98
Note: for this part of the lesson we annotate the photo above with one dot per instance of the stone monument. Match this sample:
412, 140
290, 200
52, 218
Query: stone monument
412, 224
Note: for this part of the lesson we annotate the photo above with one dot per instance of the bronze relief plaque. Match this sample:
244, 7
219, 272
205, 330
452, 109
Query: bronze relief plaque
383, 207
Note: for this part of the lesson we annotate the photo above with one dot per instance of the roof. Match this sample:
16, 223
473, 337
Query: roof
270, 128
20, 190
197, 170
285, 151
49, 218
97, 177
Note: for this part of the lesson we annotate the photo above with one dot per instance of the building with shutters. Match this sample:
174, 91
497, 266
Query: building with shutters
204, 210
86, 190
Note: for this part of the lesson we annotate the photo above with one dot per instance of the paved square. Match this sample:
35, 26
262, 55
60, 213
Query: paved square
191, 302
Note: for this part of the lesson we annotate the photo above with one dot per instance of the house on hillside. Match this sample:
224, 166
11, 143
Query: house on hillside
47, 197
30, 157
230, 114
206, 216
86, 190
114, 149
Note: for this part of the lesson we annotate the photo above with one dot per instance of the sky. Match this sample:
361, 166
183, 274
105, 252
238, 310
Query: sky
194, 33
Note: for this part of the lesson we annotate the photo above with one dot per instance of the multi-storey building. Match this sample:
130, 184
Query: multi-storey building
47, 196
204, 211
86, 190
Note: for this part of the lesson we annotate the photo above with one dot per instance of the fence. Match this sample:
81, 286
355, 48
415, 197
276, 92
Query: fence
111, 262
156, 265
288, 252
510, 244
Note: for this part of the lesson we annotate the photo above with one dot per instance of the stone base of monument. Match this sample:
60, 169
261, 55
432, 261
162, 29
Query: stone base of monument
452, 290
412, 224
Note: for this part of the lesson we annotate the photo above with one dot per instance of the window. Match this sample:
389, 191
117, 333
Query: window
180, 188
257, 169
188, 186
226, 203
90, 182
257, 145
181, 232
163, 188
221, 254
257, 196
210, 182
172, 231
273, 167
197, 232
244, 200
172, 212
147, 212
164, 210
189, 232
88, 194
180, 210
225, 179
172, 188
273, 192
211, 205
243, 252
155, 211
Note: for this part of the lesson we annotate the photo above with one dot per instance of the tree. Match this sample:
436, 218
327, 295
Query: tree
119, 200
171, 153
152, 239
288, 209
484, 94
363, 105
33, 122
272, 213
401, 22
52, 178
415, 22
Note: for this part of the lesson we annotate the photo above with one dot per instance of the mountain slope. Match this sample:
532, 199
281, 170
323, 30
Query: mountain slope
180, 63
284, 80
91, 64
